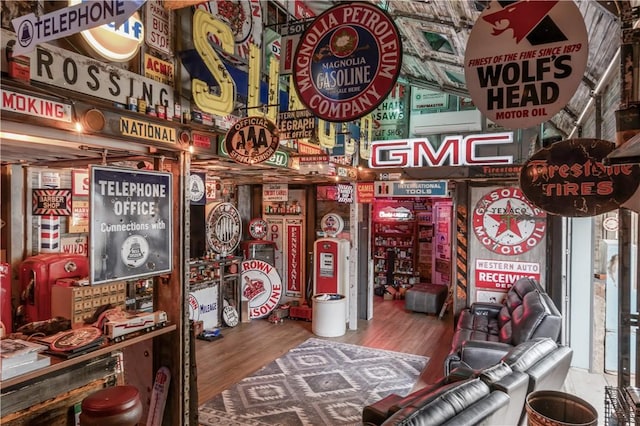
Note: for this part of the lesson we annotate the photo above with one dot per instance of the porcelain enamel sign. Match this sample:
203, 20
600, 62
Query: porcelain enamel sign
524, 61
347, 61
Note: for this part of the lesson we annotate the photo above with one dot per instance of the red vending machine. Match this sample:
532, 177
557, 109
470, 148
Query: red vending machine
39, 273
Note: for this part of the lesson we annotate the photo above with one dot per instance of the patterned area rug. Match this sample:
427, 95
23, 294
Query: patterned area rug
319, 383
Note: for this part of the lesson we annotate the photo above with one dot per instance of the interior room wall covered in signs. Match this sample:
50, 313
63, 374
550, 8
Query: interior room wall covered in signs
478, 251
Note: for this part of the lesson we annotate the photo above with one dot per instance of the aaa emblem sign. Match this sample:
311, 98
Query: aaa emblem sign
252, 140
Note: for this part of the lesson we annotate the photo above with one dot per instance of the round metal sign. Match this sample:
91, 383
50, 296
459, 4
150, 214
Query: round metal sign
261, 286
252, 140
569, 178
347, 61
258, 228
524, 60
223, 228
506, 223
331, 224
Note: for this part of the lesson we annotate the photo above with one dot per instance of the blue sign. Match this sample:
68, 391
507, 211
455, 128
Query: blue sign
429, 188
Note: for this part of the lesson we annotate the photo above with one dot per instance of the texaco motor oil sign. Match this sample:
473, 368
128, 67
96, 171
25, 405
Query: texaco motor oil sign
506, 223
524, 61
347, 61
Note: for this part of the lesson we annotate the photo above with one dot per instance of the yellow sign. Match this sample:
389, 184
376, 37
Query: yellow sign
203, 25
146, 130
158, 70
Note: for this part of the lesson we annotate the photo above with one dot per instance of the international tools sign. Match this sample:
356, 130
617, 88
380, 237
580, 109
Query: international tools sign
252, 140
524, 61
33, 30
569, 178
347, 61
130, 223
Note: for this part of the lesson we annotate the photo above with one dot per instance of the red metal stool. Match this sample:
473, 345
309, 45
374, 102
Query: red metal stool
113, 406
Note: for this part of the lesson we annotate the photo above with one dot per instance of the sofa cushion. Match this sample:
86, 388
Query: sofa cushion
536, 317
482, 323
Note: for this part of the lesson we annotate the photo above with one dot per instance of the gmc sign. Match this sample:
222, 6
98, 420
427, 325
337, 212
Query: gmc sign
454, 151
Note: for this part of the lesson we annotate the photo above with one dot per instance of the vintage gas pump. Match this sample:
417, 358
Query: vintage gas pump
331, 260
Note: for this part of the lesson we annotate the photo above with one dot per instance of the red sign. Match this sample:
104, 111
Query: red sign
453, 151
294, 259
347, 61
525, 60
500, 275
569, 178
364, 192
506, 222
53, 202
262, 287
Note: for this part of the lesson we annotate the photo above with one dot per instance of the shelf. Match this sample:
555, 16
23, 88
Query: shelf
58, 364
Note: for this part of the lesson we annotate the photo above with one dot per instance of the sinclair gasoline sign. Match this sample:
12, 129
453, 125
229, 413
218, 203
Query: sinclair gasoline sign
252, 140
347, 61
524, 61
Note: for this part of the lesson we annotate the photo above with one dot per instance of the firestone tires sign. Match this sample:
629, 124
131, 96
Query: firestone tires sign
524, 62
570, 179
347, 61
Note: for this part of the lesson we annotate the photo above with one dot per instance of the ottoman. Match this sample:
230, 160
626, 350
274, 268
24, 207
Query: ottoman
426, 298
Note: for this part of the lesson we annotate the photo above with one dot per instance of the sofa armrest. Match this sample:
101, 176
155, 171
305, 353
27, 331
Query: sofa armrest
483, 308
476, 354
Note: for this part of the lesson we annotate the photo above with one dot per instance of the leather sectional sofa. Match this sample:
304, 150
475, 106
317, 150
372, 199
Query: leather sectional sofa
485, 332
499, 354
491, 396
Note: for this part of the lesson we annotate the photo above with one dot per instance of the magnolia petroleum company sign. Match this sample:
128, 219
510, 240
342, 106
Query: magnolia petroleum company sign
506, 223
347, 61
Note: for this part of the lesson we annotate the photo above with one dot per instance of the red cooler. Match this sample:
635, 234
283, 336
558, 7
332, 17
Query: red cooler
39, 273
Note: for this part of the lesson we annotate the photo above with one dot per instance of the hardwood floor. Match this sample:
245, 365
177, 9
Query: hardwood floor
250, 346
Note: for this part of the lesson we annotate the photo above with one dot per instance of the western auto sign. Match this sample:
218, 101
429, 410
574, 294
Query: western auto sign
453, 151
500, 275
569, 178
347, 61
252, 140
524, 61
33, 30
506, 223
